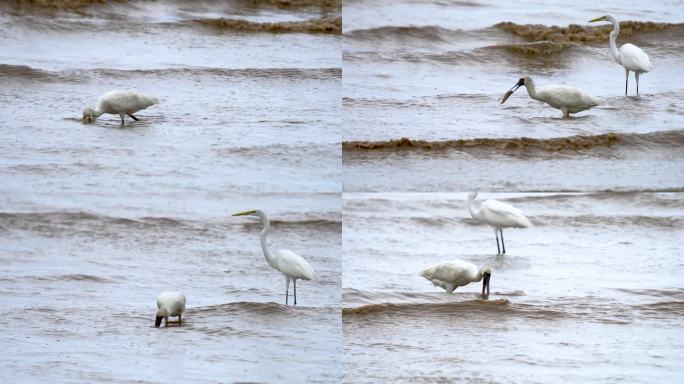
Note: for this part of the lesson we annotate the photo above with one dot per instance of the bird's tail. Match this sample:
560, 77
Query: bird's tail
310, 275
525, 222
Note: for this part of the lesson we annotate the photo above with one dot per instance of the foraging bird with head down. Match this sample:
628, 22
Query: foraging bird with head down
497, 215
567, 99
119, 102
290, 264
450, 275
631, 57
169, 304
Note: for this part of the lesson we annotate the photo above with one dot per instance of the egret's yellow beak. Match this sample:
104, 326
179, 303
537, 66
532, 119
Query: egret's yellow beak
244, 213
597, 19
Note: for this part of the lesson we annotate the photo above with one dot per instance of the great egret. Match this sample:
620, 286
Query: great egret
169, 304
497, 215
119, 102
567, 99
629, 55
452, 274
285, 261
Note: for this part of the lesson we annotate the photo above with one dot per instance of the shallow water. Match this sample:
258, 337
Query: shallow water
97, 219
278, 105
591, 293
434, 71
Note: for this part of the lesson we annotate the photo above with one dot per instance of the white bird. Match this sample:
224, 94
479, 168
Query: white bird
497, 215
119, 102
285, 261
629, 55
169, 304
452, 274
567, 99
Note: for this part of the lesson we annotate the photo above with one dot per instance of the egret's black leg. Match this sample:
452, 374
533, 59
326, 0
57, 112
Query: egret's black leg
133, 117
636, 76
498, 250
626, 80
295, 290
287, 289
503, 245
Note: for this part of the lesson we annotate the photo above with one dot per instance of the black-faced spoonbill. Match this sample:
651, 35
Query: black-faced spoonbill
119, 102
452, 274
285, 261
169, 304
567, 99
497, 215
631, 57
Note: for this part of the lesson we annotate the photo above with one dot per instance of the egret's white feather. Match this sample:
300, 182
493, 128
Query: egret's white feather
294, 266
503, 214
634, 58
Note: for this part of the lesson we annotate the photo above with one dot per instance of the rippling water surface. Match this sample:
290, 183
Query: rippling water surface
591, 293
97, 219
431, 72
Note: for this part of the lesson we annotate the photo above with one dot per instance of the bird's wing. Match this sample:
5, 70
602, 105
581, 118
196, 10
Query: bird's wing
125, 101
562, 95
178, 304
634, 58
454, 273
505, 214
181, 301
170, 300
294, 266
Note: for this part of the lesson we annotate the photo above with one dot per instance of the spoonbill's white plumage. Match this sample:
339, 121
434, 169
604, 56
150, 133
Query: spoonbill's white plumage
288, 263
497, 215
120, 102
567, 99
631, 57
169, 304
452, 274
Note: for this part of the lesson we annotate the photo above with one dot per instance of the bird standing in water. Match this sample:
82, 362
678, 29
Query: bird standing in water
567, 99
497, 215
169, 304
631, 57
288, 263
119, 102
450, 275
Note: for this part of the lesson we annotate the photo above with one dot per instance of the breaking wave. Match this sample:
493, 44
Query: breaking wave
327, 25
59, 222
581, 34
673, 139
584, 309
421, 33
28, 73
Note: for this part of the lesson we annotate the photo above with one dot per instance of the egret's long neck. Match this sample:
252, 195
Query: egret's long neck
264, 238
474, 211
613, 37
531, 89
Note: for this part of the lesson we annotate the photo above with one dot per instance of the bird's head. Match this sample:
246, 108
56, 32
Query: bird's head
522, 81
486, 272
252, 212
162, 313
607, 18
88, 115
